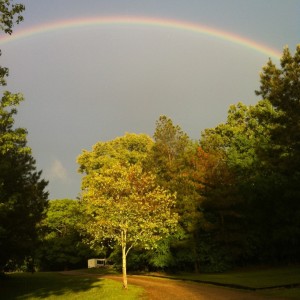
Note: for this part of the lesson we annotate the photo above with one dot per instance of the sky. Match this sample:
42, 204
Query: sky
86, 81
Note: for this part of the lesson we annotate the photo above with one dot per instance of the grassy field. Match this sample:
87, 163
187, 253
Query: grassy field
48, 286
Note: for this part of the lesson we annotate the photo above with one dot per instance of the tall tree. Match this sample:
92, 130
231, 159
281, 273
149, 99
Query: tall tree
233, 176
281, 87
22, 195
171, 158
122, 201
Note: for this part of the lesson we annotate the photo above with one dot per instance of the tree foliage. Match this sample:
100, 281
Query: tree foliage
122, 201
258, 153
61, 246
172, 161
10, 14
281, 87
22, 195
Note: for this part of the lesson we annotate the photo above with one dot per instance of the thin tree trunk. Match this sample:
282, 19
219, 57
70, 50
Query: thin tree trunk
124, 260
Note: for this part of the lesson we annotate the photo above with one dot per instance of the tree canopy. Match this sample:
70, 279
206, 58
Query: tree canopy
61, 246
122, 202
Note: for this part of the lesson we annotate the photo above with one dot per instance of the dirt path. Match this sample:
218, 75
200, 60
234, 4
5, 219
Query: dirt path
167, 289
164, 289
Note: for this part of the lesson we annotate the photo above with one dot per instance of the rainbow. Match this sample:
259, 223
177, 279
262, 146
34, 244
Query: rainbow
142, 21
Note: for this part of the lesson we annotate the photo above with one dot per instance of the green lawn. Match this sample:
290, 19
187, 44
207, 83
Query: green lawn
51, 285
261, 278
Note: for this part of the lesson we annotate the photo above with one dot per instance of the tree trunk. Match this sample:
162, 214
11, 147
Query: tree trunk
124, 260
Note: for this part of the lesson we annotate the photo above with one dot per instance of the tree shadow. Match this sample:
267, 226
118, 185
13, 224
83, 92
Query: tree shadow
42, 285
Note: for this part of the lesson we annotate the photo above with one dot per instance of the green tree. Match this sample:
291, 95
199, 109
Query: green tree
172, 161
232, 175
9, 14
281, 88
281, 157
22, 195
61, 243
122, 201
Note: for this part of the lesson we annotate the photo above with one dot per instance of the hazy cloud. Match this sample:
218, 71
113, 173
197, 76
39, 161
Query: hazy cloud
58, 171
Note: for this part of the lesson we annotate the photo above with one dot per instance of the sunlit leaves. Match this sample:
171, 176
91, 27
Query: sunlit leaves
122, 201
127, 199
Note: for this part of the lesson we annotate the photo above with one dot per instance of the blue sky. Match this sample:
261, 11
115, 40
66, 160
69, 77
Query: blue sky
90, 84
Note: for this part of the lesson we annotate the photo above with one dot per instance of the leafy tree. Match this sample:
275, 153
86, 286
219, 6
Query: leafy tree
9, 14
61, 243
122, 201
259, 147
220, 230
231, 172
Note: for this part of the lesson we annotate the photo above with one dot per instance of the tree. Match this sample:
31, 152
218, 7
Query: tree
171, 145
9, 14
281, 157
61, 243
22, 196
171, 158
231, 174
122, 201
282, 88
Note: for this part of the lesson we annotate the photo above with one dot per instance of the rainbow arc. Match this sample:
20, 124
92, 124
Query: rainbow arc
143, 21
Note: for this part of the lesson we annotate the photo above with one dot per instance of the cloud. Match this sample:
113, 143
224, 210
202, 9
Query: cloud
58, 171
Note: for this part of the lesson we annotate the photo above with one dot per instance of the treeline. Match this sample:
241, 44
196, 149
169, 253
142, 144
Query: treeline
237, 188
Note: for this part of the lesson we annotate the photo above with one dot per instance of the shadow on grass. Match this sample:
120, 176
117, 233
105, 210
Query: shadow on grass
44, 285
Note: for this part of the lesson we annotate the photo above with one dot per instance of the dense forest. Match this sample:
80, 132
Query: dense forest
230, 199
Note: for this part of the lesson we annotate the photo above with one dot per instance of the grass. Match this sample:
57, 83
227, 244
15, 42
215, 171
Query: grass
51, 285
264, 281
256, 279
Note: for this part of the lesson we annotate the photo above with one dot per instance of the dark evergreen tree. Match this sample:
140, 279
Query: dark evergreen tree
22, 195
281, 157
